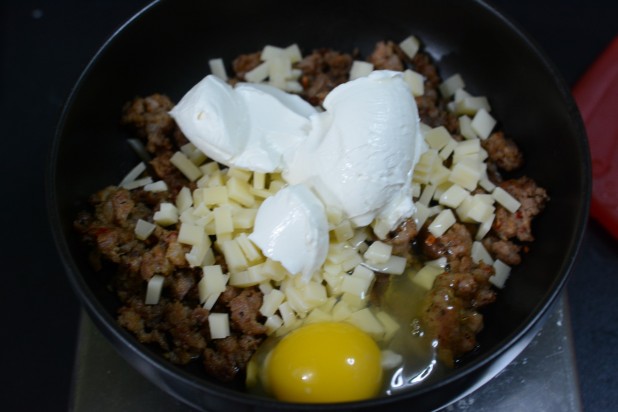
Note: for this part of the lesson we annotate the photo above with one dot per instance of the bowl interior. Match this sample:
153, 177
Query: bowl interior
167, 47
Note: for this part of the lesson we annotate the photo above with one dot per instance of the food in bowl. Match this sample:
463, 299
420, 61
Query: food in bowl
193, 271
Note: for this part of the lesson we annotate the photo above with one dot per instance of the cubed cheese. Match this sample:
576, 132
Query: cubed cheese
217, 68
219, 325
410, 46
442, 223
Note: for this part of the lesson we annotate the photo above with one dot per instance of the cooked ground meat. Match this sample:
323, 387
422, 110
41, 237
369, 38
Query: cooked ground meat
401, 238
178, 325
244, 310
503, 151
455, 244
322, 71
450, 310
386, 56
228, 357
148, 117
505, 250
518, 225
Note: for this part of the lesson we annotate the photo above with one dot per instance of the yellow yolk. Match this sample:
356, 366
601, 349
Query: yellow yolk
325, 362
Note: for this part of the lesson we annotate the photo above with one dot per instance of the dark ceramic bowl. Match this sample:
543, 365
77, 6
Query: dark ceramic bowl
166, 48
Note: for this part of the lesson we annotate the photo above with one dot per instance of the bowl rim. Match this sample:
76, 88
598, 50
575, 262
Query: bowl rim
132, 348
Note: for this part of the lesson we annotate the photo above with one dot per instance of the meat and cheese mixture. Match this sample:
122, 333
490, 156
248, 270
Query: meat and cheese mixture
450, 275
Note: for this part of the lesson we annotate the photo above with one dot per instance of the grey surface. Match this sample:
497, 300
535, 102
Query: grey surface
542, 378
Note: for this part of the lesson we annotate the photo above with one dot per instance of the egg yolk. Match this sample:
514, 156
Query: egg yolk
325, 362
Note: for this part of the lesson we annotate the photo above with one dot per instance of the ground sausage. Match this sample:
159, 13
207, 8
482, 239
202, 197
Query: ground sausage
518, 225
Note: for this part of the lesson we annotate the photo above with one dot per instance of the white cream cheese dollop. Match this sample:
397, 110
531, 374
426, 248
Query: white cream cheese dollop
360, 153
291, 228
249, 126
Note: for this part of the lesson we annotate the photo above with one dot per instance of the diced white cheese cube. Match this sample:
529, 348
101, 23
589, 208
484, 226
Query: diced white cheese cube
250, 251
269, 52
439, 175
344, 231
450, 85
190, 234
209, 303
480, 210
217, 68
233, 255
486, 184
427, 195
365, 320
453, 196
133, 174
166, 215
471, 104
316, 316
485, 227
341, 311
378, 252
410, 46
415, 82
293, 53
213, 281
153, 290
184, 199
360, 69
447, 150
390, 359
351, 262
438, 137
271, 302
259, 180
198, 253
479, 253
143, 229
279, 70
467, 147
461, 94
506, 200
355, 285
442, 223
296, 300
420, 215
273, 323
259, 73
219, 325
503, 271
466, 174
240, 191
465, 127
439, 262
137, 183
214, 195
395, 265
186, 166
483, 123
426, 276
287, 314
391, 326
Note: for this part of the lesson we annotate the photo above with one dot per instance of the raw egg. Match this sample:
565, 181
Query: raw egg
324, 362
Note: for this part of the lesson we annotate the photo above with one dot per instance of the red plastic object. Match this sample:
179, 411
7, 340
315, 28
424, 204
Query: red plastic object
596, 94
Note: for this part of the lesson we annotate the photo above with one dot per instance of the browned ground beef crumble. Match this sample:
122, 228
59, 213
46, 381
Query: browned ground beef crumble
178, 325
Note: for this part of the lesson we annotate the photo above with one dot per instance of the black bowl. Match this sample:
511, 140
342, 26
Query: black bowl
166, 48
